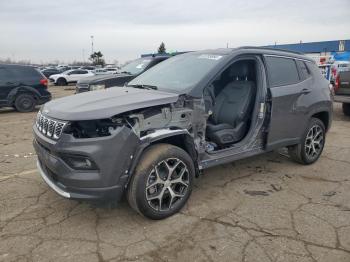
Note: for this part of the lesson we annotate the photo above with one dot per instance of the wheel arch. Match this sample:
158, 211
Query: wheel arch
22, 90
324, 116
179, 138
61, 78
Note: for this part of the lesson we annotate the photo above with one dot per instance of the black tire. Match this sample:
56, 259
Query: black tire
167, 196
61, 82
308, 151
346, 109
24, 103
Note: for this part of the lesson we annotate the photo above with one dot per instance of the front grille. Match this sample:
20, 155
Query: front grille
49, 127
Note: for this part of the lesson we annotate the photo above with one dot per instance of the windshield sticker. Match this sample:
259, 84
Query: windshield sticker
211, 57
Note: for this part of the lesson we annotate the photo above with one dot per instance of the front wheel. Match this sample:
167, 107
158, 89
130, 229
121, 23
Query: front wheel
61, 82
312, 144
162, 182
346, 109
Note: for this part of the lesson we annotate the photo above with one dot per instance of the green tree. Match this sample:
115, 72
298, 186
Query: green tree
97, 58
161, 48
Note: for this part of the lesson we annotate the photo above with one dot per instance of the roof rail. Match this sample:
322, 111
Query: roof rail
271, 48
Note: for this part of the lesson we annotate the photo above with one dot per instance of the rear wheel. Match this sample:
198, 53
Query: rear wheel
346, 109
25, 103
61, 82
311, 147
162, 182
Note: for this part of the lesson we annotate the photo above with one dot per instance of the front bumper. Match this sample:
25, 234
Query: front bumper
81, 88
342, 98
113, 156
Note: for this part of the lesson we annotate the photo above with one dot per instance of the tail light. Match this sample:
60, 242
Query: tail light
44, 82
337, 82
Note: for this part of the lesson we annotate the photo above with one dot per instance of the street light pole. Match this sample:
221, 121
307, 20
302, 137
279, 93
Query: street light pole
92, 44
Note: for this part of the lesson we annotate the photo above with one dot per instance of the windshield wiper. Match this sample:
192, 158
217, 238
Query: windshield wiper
126, 72
144, 87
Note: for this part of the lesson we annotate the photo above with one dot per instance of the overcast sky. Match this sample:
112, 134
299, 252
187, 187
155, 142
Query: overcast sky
44, 31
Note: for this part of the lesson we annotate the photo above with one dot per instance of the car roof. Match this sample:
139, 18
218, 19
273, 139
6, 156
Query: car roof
19, 66
256, 50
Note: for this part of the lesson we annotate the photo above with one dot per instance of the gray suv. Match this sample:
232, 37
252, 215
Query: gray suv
151, 138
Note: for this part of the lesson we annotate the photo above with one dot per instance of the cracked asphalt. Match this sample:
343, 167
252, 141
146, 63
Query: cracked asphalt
264, 208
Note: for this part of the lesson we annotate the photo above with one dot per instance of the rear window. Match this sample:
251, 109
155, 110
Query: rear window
304, 70
282, 71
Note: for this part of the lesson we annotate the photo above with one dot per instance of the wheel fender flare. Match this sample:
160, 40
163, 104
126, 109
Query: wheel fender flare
21, 89
61, 77
321, 110
159, 135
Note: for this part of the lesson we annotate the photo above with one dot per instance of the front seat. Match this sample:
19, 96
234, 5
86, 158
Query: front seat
232, 109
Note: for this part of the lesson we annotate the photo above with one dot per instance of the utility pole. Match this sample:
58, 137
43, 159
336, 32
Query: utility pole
92, 44
84, 55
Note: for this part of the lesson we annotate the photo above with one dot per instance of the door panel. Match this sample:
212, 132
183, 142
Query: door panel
7, 83
288, 113
289, 95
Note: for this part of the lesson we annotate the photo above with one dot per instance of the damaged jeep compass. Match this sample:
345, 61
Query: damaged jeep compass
151, 138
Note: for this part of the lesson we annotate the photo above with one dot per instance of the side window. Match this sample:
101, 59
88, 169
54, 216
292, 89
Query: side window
75, 72
5, 75
81, 72
25, 72
304, 70
282, 71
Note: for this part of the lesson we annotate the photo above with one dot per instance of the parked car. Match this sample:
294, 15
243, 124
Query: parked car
337, 67
188, 113
128, 72
342, 91
90, 68
101, 71
70, 76
22, 87
112, 70
49, 72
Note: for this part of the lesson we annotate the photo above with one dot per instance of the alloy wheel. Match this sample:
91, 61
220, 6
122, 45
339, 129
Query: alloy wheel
167, 184
314, 142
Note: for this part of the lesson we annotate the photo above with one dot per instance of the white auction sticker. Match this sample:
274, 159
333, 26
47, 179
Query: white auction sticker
211, 57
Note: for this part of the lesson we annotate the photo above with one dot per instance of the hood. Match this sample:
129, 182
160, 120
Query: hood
56, 75
105, 103
97, 78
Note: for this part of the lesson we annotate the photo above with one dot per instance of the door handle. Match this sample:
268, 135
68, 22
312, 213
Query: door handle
305, 90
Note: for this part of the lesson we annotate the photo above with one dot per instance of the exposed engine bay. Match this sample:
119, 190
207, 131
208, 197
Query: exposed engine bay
185, 114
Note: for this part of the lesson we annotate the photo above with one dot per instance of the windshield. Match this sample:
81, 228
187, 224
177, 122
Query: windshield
135, 67
178, 73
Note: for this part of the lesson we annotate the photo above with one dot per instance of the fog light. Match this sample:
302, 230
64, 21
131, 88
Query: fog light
80, 162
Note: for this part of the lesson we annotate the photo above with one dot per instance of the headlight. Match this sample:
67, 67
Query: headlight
97, 87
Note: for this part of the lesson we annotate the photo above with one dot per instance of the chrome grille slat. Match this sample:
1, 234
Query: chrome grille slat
49, 127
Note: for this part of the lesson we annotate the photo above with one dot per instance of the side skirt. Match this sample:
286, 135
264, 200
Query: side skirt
229, 158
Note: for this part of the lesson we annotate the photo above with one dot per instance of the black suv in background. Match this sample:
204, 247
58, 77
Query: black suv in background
22, 87
50, 71
128, 72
